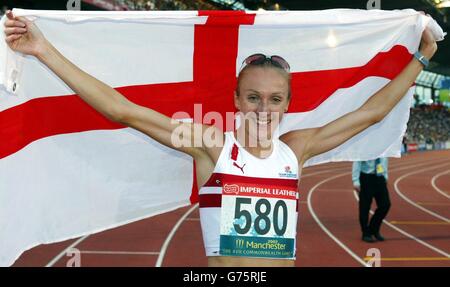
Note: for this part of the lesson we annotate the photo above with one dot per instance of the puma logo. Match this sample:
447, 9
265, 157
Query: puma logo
241, 168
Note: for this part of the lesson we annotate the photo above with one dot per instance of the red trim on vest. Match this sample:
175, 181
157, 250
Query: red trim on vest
234, 152
210, 200
215, 200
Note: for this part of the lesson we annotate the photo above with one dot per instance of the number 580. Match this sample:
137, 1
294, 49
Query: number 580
262, 216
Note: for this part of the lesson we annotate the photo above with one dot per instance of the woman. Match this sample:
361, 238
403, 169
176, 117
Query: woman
249, 177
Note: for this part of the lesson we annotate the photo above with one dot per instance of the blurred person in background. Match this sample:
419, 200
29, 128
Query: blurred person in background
370, 181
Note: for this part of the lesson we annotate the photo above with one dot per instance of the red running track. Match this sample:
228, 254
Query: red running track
417, 227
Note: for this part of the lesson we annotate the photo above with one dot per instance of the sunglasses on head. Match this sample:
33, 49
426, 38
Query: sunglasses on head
260, 59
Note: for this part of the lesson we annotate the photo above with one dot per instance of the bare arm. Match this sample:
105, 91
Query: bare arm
24, 36
116, 107
310, 142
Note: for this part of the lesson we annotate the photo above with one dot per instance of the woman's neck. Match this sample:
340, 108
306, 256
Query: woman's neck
256, 147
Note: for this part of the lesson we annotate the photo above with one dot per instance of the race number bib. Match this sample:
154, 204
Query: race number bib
258, 220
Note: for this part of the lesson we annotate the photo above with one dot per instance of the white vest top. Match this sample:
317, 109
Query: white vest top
235, 163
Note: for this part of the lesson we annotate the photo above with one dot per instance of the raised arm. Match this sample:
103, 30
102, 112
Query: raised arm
24, 36
310, 142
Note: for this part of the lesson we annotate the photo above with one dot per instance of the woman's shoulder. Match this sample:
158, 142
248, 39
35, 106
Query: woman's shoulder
297, 140
214, 143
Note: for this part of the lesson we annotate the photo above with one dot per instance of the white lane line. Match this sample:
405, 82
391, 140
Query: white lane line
335, 169
64, 252
193, 219
341, 168
335, 189
103, 252
397, 190
324, 166
408, 234
329, 170
164, 247
433, 183
322, 226
326, 230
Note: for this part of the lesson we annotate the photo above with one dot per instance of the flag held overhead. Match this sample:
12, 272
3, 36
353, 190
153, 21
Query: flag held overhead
75, 172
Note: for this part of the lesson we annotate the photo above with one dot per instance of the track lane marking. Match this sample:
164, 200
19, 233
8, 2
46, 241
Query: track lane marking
419, 222
169, 237
407, 199
103, 252
368, 258
65, 250
433, 184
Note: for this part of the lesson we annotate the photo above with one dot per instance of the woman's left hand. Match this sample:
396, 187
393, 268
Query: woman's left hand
428, 44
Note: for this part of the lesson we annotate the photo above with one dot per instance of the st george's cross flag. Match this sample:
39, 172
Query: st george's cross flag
66, 171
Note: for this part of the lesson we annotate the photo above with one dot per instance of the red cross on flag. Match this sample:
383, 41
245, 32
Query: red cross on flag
67, 171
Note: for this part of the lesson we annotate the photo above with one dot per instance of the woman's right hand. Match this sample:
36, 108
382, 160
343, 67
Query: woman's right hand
23, 35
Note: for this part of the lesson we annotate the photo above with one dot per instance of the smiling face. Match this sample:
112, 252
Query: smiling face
262, 96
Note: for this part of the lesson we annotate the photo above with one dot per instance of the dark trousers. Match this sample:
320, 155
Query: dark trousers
372, 186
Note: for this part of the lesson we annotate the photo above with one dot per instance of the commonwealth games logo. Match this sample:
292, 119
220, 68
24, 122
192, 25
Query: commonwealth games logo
287, 172
240, 243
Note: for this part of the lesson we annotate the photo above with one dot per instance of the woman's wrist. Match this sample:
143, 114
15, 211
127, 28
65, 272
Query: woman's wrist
44, 51
428, 50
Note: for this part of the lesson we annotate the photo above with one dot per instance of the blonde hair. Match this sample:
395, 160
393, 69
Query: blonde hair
265, 64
